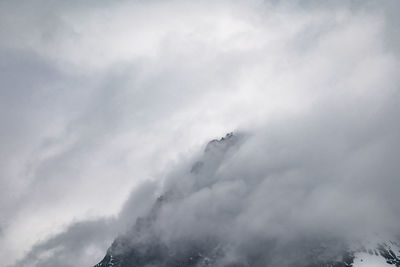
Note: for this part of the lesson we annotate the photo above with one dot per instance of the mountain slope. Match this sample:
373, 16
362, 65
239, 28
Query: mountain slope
153, 242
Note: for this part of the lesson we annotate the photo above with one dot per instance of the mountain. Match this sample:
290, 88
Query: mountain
383, 255
151, 242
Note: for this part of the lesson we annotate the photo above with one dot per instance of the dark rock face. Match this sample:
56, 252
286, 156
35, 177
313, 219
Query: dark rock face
160, 255
223, 143
189, 254
391, 257
143, 246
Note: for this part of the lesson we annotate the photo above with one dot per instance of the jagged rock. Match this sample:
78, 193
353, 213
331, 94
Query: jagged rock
143, 247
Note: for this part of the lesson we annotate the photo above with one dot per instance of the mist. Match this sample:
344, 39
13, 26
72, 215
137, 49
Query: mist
108, 108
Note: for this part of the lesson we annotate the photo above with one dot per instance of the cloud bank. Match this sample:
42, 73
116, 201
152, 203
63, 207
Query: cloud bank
99, 98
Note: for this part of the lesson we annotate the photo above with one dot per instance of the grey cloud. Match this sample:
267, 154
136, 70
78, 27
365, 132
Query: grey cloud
254, 197
84, 242
265, 201
74, 245
84, 121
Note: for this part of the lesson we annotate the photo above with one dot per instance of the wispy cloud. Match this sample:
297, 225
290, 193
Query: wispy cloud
98, 98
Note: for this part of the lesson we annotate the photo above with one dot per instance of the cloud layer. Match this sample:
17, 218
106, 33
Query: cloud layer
98, 98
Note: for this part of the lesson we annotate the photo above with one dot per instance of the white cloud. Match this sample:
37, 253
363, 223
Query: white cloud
97, 98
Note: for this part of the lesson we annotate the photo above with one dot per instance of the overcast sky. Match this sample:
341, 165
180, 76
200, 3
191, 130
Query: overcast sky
99, 99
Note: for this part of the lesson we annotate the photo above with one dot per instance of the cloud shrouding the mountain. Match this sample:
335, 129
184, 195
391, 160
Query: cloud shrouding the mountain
99, 98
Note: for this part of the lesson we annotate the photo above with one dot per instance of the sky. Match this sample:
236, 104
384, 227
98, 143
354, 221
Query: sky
103, 104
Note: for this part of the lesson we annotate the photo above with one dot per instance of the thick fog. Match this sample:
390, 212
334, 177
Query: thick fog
106, 106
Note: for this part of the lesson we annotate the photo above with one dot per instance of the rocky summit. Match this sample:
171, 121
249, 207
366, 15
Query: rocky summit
150, 243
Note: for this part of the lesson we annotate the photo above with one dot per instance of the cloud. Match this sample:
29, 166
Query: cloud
98, 98
270, 197
77, 244
83, 241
